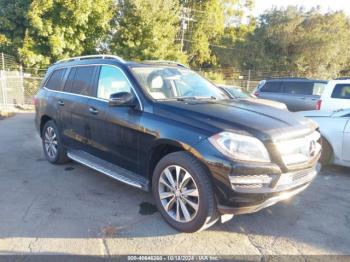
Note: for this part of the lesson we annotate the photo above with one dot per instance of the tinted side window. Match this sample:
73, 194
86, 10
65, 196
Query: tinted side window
341, 91
80, 80
298, 88
272, 86
56, 80
111, 81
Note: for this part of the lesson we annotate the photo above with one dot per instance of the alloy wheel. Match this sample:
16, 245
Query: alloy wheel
50, 142
178, 193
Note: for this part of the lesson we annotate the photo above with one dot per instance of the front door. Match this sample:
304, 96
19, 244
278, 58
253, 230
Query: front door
113, 131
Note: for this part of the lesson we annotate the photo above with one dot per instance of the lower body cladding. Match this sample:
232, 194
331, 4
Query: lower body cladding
251, 193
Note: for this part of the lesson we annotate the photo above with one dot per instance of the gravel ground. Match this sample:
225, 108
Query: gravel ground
70, 209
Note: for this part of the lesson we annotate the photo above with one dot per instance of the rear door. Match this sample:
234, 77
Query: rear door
55, 86
75, 109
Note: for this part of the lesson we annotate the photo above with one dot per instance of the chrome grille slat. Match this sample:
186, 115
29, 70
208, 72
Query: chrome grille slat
299, 150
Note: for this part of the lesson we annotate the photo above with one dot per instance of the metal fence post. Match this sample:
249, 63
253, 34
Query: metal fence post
21, 75
248, 81
3, 83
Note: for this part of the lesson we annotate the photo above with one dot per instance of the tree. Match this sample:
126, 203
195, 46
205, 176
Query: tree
13, 24
298, 42
213, 20
64, 28
146, 29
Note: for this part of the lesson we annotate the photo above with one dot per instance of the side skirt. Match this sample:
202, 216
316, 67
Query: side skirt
109, 169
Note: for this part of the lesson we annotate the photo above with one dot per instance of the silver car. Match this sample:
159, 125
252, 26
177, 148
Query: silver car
237, 93
299, 94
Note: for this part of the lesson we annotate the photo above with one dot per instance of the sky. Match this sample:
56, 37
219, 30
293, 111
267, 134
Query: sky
326, 5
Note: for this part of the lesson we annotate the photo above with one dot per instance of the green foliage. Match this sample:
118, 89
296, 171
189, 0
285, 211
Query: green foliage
299, 43
216, 77
13, 23
213, 20
64, 28
146, 29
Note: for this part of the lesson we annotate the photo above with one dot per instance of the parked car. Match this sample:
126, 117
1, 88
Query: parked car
336, 95
161, 127
299, 94
335, 130
237, 93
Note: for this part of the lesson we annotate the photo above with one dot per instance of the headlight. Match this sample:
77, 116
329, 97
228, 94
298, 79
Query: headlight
240, 147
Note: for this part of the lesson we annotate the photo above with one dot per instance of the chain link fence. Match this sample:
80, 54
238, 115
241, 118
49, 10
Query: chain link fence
17, 86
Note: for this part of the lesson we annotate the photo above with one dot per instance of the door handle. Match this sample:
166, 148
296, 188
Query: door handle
93, 111
303, 98
60, 102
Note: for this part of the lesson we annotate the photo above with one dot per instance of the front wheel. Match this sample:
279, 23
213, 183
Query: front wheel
183, 192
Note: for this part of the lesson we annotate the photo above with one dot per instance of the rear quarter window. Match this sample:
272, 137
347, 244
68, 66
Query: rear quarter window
55, 81
341, 91
271, 87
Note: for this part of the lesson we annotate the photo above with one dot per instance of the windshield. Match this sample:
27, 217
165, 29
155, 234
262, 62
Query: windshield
176, 83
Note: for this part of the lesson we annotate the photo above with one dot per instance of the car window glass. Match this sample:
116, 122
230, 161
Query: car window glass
272, 86
341, 91
111, 81
56, 80
298, 88
318, 88
80, 80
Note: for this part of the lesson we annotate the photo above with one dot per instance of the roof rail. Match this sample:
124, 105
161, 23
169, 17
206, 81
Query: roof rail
165, 62
287, 77
77, 58
343, 78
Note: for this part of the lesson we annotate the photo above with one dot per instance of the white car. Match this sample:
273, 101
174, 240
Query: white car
335, 130
336, 95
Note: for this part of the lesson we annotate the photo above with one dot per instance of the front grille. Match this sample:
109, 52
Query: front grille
298, 176
299, 150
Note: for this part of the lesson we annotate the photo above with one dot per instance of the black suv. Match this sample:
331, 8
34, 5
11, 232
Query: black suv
161, 127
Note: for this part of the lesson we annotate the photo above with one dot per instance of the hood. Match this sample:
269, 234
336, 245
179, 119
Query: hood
264, 122
268, 103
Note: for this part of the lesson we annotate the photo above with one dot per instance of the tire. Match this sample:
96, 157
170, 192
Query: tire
185, 196
327, 153
51, 138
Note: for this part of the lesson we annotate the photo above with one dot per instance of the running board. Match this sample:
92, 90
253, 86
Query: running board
109, 169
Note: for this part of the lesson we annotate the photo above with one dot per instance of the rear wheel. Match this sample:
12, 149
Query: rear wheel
183, 192
52, 145
327, 153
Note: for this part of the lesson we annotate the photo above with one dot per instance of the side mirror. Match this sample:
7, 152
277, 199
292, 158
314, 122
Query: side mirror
122, 99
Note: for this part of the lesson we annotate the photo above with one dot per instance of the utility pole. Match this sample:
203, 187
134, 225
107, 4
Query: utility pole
185, 18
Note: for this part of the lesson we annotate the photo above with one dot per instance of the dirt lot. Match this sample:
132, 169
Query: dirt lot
70, 209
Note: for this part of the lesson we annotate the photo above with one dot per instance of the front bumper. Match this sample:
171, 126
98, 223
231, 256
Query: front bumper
246, 187
249, 199
266, 203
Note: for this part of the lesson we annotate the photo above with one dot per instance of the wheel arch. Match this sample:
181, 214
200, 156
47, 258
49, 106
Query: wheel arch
43, 120
163, 147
